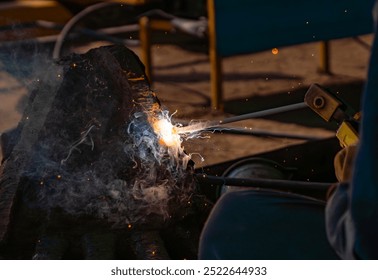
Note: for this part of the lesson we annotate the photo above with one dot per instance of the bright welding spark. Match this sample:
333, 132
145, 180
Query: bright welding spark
172, 135
167, 133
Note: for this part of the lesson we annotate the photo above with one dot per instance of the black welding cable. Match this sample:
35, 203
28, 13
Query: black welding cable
72, 23
100, 34
264, 183
104, 34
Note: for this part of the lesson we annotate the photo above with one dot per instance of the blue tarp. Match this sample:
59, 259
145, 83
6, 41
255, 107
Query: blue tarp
246, 26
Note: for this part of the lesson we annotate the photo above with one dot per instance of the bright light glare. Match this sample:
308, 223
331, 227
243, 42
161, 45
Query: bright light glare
167, 133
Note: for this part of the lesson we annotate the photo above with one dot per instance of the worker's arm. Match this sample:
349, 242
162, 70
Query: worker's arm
352, 211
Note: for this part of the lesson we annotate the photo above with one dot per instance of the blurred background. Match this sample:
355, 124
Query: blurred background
33, 32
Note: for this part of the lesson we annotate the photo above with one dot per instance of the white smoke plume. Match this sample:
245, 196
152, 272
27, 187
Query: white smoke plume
104, 148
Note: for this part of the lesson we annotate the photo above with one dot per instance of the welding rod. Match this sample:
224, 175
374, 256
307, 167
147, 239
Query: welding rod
262, 133
215, 124
258, 114
263, 113
264, 183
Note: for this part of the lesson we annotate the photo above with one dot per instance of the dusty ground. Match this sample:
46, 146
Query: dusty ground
251, 82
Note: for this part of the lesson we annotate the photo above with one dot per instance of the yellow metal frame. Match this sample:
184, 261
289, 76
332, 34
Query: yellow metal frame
216, 81
324, 66
14, 12
145, 45
25, 11
146, 25
216, 88
30, 10
18, 12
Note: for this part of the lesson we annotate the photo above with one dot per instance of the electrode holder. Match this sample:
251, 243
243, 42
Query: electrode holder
330, 107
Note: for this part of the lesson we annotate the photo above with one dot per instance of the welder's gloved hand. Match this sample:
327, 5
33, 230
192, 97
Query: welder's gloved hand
343, 163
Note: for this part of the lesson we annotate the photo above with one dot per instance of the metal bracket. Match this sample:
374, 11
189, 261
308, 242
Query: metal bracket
329, 107
324, 103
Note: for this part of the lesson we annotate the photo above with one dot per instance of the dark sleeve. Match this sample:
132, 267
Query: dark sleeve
352, 212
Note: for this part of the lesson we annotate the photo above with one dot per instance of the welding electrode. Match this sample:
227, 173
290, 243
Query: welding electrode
259, 114
215, 124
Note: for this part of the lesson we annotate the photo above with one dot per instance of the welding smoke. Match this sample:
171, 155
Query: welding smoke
96, 151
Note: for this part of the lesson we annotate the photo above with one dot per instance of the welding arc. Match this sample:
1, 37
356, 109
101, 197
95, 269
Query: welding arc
264, 183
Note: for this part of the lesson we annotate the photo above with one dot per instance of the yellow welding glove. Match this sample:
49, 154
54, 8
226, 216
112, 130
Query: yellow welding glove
343, 163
